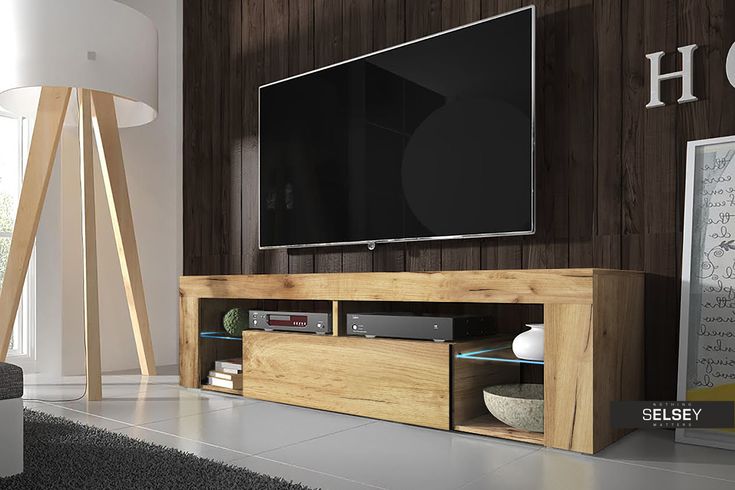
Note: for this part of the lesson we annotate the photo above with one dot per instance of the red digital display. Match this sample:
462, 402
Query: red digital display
287, 320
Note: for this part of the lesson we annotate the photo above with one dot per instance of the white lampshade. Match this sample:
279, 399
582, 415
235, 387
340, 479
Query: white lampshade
100, 45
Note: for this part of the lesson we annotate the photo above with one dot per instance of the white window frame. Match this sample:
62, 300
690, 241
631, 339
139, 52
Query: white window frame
24, 338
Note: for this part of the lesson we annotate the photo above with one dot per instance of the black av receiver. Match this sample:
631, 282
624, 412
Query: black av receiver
418, 327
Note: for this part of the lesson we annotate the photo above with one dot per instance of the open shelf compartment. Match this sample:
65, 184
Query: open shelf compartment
214, 342
476, 365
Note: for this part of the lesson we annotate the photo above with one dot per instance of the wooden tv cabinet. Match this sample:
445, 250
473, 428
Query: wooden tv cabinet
593, 347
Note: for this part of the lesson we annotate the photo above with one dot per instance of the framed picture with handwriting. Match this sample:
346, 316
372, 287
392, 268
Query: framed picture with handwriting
707, 328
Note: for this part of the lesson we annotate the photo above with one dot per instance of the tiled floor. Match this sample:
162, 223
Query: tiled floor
334, 451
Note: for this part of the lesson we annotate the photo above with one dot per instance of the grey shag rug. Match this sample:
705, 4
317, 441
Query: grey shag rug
60, 453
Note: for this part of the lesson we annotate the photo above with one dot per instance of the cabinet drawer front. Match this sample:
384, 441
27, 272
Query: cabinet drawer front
397, 380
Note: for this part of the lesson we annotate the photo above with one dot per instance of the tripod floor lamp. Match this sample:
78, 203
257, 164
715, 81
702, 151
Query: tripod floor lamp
91, 63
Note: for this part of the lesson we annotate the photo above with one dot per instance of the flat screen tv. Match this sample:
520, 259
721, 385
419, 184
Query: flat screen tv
431, 139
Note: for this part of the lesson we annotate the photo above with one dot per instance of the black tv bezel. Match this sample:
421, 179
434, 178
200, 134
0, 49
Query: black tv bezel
372, 243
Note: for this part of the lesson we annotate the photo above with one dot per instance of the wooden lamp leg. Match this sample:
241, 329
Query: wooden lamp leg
89, 245
104, 122
46, 133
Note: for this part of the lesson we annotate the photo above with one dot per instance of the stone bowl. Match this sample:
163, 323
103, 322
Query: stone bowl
518, 405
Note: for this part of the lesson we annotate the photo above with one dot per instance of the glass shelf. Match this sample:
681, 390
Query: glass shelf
222, 335
501, 353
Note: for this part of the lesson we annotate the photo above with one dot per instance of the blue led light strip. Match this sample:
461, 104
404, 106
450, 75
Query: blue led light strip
218, 335
499, 359
476, 356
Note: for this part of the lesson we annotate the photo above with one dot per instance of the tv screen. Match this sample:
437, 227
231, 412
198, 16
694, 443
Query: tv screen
431, 139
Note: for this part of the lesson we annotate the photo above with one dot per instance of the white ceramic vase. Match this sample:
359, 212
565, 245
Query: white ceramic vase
530, 345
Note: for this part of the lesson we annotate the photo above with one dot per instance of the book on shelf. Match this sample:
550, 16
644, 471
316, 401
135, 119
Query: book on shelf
234, 384
230, 366
225, 376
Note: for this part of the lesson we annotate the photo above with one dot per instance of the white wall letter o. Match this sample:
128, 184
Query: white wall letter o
730, 65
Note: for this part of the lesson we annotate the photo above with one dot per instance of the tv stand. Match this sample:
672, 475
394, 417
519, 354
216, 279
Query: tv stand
593, 347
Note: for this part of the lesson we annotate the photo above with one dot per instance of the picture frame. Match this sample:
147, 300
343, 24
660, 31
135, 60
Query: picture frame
707, 322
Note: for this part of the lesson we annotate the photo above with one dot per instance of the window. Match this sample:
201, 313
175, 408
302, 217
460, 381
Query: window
13, 150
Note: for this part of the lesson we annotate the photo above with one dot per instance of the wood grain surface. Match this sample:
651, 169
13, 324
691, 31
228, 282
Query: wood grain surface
512, 286
396, 380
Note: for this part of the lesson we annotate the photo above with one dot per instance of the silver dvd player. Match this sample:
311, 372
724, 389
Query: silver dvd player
418, 327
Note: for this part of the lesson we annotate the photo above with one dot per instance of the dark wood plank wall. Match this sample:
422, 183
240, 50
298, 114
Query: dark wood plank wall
610, 172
